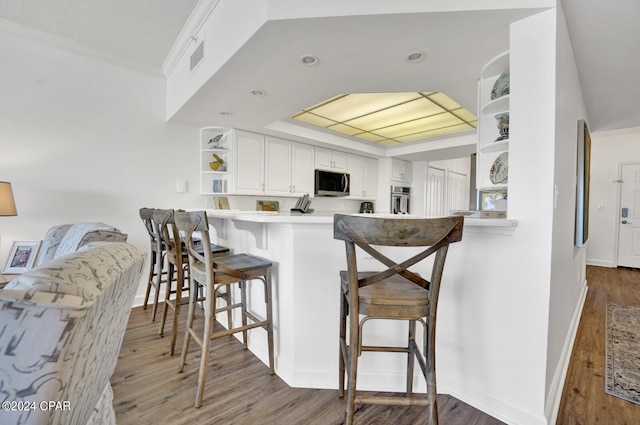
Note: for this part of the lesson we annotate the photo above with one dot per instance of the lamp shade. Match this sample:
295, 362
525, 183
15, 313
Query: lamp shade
7, 203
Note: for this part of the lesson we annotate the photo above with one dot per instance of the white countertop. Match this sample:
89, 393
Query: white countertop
326, 217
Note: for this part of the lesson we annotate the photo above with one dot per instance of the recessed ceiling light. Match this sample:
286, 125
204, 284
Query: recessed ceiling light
416, 56
309, 60
258, 92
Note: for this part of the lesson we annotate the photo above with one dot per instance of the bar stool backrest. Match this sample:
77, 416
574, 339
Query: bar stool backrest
368, 232
195, 222
146, 214
168, 233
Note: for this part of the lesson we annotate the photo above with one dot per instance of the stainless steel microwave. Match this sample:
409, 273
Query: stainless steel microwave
329, 183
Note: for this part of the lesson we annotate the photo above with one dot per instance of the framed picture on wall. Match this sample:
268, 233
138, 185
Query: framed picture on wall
22, 256
583, 176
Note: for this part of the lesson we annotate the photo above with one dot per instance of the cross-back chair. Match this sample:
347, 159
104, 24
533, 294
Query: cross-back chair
178, 269
215, 274
395, 293
157, 270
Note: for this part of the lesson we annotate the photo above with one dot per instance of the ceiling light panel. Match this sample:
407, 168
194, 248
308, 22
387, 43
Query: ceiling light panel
346, 129
409, 111
436, 132
314, 119
390, 118
464, 115
371, 137
443, 100
356, 105
419, 125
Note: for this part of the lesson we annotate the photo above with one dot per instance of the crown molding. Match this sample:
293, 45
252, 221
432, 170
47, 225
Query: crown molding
43, 39
196, 21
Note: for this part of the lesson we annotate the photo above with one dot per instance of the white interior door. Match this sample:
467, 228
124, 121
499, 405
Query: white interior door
458, 191
629, 216
435, 192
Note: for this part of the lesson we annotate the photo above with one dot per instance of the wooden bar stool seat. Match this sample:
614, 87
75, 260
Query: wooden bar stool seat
157, 265
178, 269
390, 295
395, 293
216, 274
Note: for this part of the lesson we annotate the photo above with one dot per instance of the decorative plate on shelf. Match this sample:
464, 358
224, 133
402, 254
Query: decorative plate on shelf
501, 86
499, 172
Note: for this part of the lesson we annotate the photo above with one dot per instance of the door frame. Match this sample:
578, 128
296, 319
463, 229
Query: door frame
616, 217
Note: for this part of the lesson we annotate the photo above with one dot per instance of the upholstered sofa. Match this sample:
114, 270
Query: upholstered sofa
64, 239
61, 328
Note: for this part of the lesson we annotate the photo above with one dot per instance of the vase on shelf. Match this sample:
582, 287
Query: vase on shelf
503, 126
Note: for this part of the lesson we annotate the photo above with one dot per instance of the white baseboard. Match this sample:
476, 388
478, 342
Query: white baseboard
601, 263
508, 411
557, 384
138, 301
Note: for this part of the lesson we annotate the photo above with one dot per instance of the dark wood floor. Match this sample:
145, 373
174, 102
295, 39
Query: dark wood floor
239, 390
584, 401
148, 389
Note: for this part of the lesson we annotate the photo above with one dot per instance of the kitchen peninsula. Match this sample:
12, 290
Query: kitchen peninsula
307, 261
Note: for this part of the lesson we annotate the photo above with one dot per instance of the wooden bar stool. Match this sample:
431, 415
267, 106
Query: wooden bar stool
178, 271
215, 274
157, 269
394, 293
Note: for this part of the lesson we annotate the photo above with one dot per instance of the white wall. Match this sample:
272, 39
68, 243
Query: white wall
493, 313
568, 286
82, 140
509, 301
608, 150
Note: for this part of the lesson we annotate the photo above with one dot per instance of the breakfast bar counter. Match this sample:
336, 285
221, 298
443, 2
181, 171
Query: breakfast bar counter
327, 218
307, 261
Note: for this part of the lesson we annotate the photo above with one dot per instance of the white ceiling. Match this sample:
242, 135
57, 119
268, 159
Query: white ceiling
606, 43
357, 54
141, 32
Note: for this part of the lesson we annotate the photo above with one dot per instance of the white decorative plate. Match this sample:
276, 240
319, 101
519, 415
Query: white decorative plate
501, 86
499, 172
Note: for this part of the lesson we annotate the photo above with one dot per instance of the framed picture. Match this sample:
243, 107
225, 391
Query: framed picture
583, 176
267, 206
218, 186
22, 256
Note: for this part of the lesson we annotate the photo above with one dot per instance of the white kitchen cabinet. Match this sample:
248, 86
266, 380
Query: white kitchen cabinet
363, 174
328, 159
401, 171
302, 176
248, 170
278, 154
288, 168
355, 167
370, 186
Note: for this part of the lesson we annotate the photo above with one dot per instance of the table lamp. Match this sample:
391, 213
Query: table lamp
7, 203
